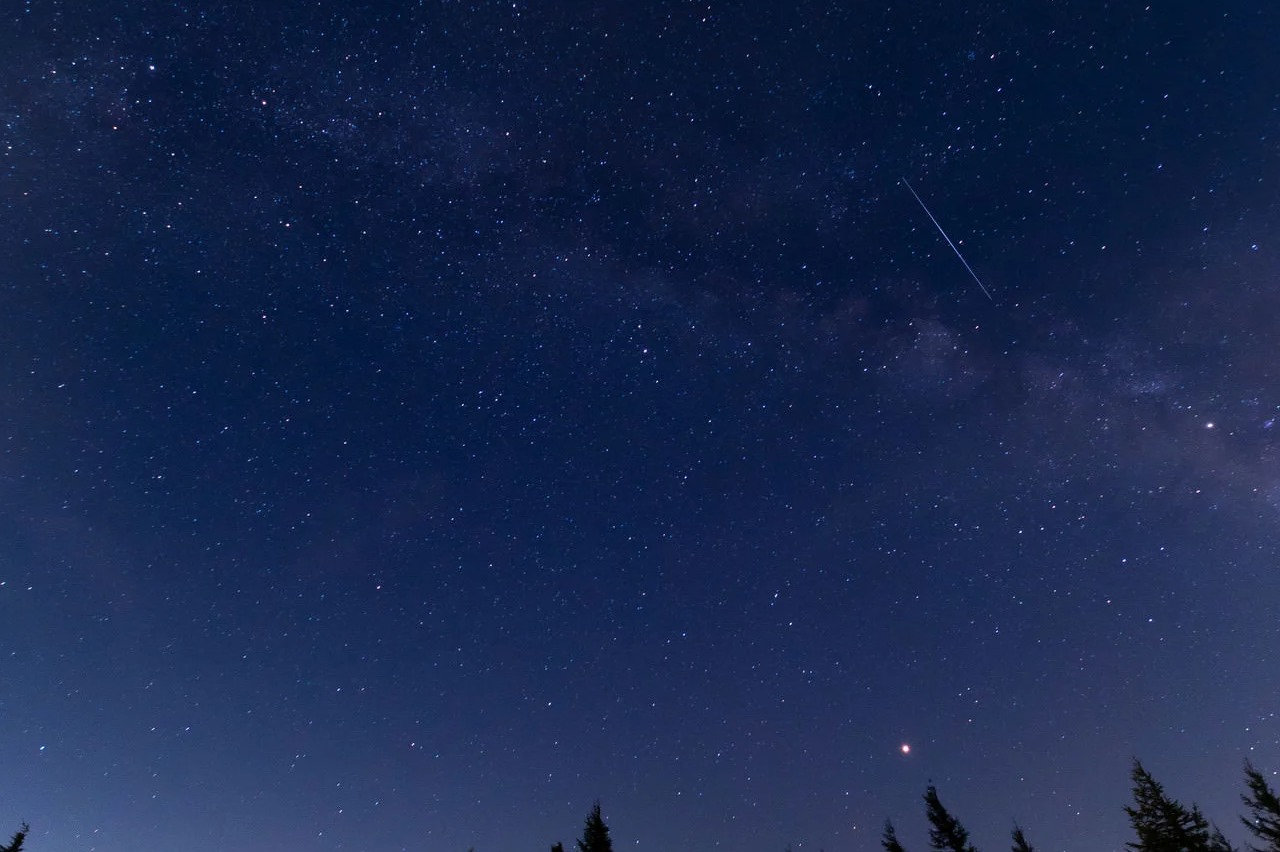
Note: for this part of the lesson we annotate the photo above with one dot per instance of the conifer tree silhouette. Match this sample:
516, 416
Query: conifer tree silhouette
1020, 843
1263, 821
595, 834
15, 844
946, 834
1163, 824
889, 840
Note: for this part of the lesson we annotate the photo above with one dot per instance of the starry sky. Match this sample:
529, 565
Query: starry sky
418, 421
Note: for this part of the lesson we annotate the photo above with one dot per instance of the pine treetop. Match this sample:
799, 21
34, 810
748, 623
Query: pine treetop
946, 834
1161, 823
889, 840
1263, 821
1020, 843
595, 834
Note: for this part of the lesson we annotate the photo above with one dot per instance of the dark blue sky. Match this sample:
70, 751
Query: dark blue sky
419, 421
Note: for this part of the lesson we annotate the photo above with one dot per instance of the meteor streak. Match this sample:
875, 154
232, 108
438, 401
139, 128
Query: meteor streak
948, 239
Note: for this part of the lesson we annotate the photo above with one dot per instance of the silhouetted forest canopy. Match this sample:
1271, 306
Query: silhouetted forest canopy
1160, 823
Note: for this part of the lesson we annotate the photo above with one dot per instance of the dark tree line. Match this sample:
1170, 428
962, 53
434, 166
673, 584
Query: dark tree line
1160, 822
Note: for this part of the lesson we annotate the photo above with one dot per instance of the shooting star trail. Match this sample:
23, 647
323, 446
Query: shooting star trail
948, 239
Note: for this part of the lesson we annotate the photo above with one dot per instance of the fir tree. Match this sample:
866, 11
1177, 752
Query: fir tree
1020, 843
595, 834
889, 840
1263, 821
1163, 824
15, 845
557, 847
946, 834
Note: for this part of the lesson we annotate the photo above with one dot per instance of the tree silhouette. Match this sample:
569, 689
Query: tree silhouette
1020, 843
595, 834
15, 845
1263, 821
889, 840
1163, 824
946, 834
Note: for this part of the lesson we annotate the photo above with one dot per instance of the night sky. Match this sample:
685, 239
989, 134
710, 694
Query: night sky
419, 421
